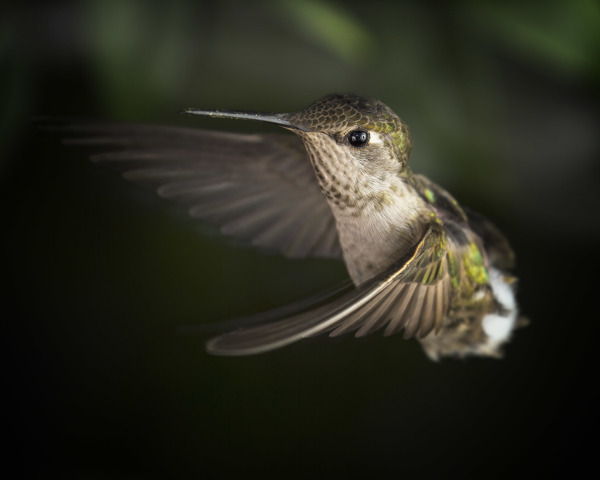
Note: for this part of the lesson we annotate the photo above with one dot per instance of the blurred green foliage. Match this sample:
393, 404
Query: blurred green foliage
330, 27
562, 35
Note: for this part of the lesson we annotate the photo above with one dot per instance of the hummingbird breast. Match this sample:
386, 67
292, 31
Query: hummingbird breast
378, 232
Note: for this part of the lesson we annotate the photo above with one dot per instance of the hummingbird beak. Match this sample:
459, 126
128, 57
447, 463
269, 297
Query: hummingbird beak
275, 118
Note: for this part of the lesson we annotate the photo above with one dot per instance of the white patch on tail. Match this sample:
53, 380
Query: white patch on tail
499, 326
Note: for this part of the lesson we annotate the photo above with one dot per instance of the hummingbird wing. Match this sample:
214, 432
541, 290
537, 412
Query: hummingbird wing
414, 294
260, 188
498, 250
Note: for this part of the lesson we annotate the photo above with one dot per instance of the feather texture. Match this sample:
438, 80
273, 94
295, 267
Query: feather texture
392, 298
260, 188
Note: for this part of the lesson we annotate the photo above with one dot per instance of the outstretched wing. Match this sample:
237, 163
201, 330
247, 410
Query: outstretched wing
415, 294
259, 188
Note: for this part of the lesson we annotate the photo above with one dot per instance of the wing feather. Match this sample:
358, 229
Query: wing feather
403, 302
260, 188
393, 299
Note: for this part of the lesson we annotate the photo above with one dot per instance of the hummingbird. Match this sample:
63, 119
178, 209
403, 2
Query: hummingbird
341, 187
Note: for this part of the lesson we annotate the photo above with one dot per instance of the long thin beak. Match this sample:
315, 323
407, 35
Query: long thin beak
275, 118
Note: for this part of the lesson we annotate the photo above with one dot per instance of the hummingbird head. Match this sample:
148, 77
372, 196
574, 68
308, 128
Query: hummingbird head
357, 146
367, 128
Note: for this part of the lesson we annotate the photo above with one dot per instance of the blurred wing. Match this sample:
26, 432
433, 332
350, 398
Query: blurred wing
260, 188
445, 205
499, 251
414, 295
495, 244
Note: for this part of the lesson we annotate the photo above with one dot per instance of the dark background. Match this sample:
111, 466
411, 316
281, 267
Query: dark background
502, 100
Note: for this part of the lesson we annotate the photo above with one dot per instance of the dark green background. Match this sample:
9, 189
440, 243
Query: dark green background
502, 100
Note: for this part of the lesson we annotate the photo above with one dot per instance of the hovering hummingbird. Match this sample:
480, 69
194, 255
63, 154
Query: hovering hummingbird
340, 188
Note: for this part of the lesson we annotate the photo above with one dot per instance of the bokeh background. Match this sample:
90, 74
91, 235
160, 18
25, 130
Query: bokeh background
502, 99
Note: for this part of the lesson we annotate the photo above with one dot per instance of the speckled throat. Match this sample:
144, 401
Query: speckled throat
378, 220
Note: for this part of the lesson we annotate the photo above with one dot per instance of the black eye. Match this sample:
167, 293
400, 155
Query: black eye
358, 138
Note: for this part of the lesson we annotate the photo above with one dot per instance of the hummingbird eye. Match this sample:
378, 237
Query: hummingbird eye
358, 138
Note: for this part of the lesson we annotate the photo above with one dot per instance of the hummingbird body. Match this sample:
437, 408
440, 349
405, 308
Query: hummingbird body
420, 262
